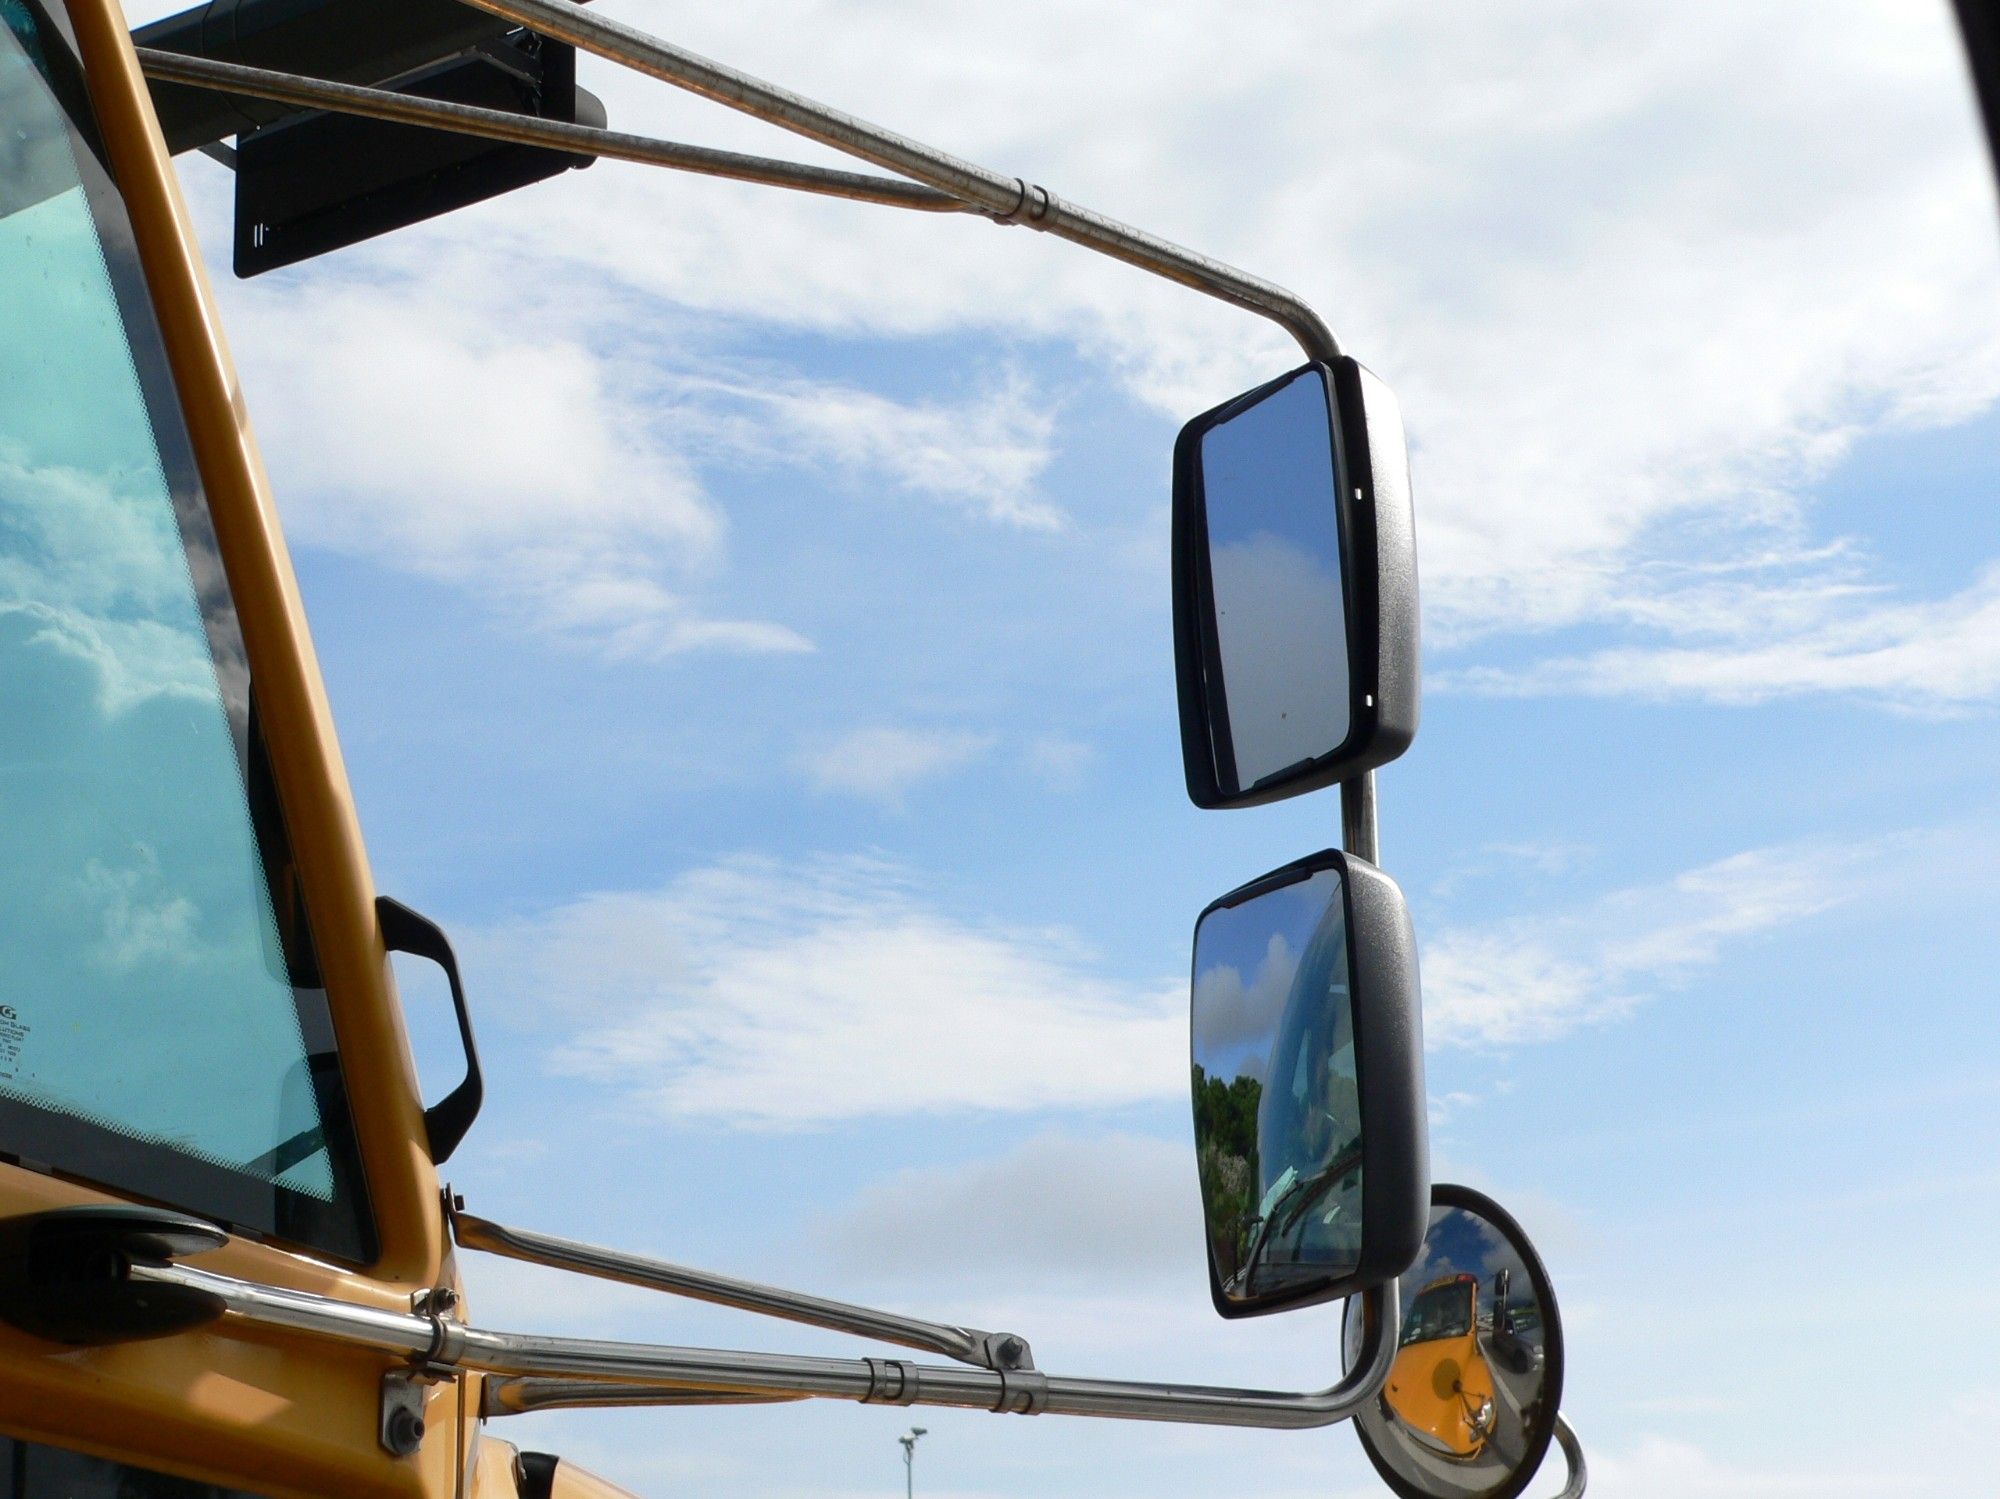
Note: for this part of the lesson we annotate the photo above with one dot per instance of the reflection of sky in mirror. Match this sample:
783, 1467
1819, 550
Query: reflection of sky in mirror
1245, 958
1274, 562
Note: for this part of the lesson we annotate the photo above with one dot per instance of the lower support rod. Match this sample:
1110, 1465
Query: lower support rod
438, 1343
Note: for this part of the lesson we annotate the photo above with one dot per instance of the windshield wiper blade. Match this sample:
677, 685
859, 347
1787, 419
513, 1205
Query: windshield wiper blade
1306, 1191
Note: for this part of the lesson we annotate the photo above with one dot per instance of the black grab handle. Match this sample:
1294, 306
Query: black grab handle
404, 930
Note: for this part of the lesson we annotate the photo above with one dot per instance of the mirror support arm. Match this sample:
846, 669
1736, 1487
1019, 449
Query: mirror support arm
1005, 199
527, 130
969, 1345
1358, 831
1572, 1450
545, 1370
936, 182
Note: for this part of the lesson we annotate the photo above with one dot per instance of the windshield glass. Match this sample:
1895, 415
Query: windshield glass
161, 1026
1441, 1312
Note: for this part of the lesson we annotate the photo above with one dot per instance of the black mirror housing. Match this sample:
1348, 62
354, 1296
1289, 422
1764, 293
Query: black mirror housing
1363, 711
1311, 1130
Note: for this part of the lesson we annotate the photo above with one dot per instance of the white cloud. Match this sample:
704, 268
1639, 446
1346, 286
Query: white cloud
1674, 1468
1449, 1106
522, 426
1234, 1014
144, 921
1929, 657
1531, 858
984, 454
755, 994
1637, 288
1106, 1207
1534, 980
420, 426
884, 762
1619, 333
1059, 762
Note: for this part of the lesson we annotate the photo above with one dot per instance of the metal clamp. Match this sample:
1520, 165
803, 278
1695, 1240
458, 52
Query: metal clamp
891, 1381
405, 1390
1032, 208
447, 1348
1023, 1392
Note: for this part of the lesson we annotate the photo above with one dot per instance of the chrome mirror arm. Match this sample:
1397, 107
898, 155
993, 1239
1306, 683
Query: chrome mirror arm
969, 1345
1006, 199
1572, 1450
544, 1371
528, 130
933, 181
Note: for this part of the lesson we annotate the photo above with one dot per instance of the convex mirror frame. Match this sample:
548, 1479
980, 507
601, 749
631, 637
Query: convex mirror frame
1295, 587
1306, 1043
1471, 1401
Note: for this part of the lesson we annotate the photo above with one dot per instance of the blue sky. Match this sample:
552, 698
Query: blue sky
748, 625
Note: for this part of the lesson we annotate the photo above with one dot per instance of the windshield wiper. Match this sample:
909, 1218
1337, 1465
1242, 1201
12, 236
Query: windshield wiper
1300, 1195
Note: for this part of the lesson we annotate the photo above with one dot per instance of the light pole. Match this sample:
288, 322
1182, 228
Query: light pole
909, 1445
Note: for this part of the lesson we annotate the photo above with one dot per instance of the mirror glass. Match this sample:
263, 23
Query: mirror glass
1269, 497
1471, 1399
1277, 1114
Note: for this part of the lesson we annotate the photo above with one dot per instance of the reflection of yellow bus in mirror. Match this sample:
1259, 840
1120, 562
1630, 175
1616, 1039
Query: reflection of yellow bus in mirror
1439, 1385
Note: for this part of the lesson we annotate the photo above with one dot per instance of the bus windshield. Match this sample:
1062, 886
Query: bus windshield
162, 1029
1441, 1312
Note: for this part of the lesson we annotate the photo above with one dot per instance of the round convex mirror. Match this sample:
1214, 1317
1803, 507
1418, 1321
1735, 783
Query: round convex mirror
1471, 1400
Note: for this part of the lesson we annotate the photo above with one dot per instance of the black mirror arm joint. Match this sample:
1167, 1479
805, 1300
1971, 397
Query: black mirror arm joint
447, 1121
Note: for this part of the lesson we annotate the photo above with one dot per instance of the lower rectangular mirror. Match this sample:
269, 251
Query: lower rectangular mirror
1309, 1119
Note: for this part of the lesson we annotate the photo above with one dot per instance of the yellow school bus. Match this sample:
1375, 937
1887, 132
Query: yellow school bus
202, 1054
1440, 1385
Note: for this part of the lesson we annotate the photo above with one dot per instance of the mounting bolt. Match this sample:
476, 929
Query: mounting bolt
402, 1427
403, 1431
1010, 1350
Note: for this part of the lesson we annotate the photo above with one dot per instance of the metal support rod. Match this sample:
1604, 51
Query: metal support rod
1572, 1451
526, 130
1358, 834
517, 1395
437, 1343
969, 1345
1010, 200
940, 182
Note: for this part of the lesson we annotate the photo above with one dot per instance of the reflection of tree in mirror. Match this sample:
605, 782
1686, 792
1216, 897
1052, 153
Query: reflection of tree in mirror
1225, 1132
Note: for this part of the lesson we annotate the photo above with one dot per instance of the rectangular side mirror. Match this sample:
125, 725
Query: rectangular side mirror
1310, 1130
1295, 587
